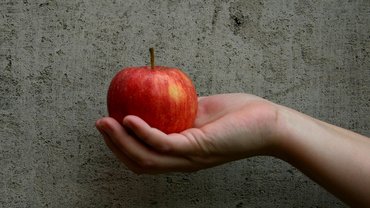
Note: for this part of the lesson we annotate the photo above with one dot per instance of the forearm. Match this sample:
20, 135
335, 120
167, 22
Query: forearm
337, 159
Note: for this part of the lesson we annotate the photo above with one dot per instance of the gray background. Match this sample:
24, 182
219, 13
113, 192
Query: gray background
58, 57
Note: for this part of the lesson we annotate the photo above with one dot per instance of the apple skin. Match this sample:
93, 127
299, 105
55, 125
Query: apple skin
163, 97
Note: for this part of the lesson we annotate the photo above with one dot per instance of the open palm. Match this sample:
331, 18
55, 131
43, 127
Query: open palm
227, 127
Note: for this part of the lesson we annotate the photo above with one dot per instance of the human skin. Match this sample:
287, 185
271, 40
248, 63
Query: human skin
230, 127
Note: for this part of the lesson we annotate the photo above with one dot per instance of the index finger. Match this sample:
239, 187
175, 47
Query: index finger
184, 143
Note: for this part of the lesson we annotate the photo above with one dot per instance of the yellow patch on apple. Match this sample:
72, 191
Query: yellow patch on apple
175, 92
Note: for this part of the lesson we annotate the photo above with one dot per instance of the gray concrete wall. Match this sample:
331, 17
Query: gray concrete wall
57, 59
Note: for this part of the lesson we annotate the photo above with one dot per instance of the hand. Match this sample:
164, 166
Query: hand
235, 126
227, 127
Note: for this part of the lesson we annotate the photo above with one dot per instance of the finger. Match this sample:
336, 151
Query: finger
120, 155
120, 137
147, 159
180, 144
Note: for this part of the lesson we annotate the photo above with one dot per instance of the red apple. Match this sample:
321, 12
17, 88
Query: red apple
162, 96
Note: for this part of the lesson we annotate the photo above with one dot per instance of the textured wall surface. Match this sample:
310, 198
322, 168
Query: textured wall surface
57, 59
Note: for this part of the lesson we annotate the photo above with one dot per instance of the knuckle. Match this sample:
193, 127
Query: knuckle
201, 161
164, 147
146, 163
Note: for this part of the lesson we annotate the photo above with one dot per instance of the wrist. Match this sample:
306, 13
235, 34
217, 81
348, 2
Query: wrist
276, 130
295, 132
286, 122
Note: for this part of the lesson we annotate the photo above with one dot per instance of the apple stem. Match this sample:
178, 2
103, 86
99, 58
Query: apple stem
151, 50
